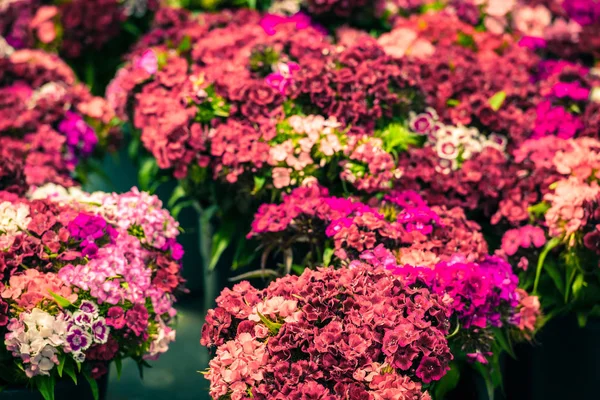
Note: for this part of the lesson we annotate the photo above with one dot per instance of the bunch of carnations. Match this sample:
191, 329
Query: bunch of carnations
86, 279
70, 27
355, 333
50, 125
403, 222
549, 222
435, 247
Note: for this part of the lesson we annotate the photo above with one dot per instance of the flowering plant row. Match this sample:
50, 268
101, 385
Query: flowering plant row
51, 127
87, 279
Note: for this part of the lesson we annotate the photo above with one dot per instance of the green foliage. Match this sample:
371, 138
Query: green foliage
497, 100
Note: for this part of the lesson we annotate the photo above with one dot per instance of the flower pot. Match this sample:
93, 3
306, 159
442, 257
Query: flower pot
563, 364
65, 390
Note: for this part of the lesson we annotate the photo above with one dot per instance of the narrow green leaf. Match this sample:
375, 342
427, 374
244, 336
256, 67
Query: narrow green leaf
119, 367
148, 170
497, 100
259, 273
274, 327
61, 301
259, 183
61, 364
547, 248
556, 276
503, 340
448, 382
220, 241
578, 284
45, 385
185, 45
327, 254
178, 194
70, 370
93, 385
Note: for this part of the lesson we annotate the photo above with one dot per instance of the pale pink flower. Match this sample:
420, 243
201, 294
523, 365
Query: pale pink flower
499, 8
281, 177
532, 20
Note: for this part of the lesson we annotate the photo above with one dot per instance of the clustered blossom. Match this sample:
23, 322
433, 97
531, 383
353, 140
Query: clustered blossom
482, 295
80, 285
71, 27
353, 227
48, 121
355, 333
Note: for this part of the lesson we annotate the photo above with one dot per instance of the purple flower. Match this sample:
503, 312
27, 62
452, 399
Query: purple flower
89, 308
89, 228
572, 90
81, 138
82, 319
100, 331
302, 21
584, 12
532, 43
78, 339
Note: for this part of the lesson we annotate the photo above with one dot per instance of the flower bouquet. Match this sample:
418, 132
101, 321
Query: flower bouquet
356, 333
51, 127
87, 279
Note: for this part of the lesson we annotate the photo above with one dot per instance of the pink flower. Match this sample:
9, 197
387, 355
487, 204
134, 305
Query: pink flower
532, 20
281, 177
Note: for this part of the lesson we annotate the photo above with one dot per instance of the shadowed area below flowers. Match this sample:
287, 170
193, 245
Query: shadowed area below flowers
175, 375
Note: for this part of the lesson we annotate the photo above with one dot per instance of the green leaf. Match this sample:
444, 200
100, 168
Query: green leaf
578, 284
497, 100
502, 338
581, 320
452, 102
70, 370
185, 45
466, 40
220, 241
61, 301
556, 276
93, 385
175, 211
147, 172
61, 364
259, 182
118, 366
551, 244
259, 273
448, 382
327, 254
45, 384
274, 327
178, 194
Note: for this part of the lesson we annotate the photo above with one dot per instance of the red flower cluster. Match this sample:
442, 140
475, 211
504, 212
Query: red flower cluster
48, 121
352, 333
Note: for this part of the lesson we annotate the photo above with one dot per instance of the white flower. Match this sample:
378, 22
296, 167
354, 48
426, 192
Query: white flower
13, 218
135, 7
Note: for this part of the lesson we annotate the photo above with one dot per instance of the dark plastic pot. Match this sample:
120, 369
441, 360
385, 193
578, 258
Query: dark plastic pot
65, 390
563, 364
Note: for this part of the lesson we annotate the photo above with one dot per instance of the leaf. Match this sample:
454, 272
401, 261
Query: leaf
185, 45
61, 364
220, 241
448, 382
93, 385
549, 246
70, 370
61, 301
503, 340
466, 40
45, 384
327, 254
119, 367
497, 100
178, 193
578, 284
175, 211
556, 276
274, 327
259, 182
147, 172
452, 102
259, 273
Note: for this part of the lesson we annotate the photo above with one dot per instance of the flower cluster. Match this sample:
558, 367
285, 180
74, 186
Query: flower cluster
85, 279
48, 121
71, 27
351, 333
402, 222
